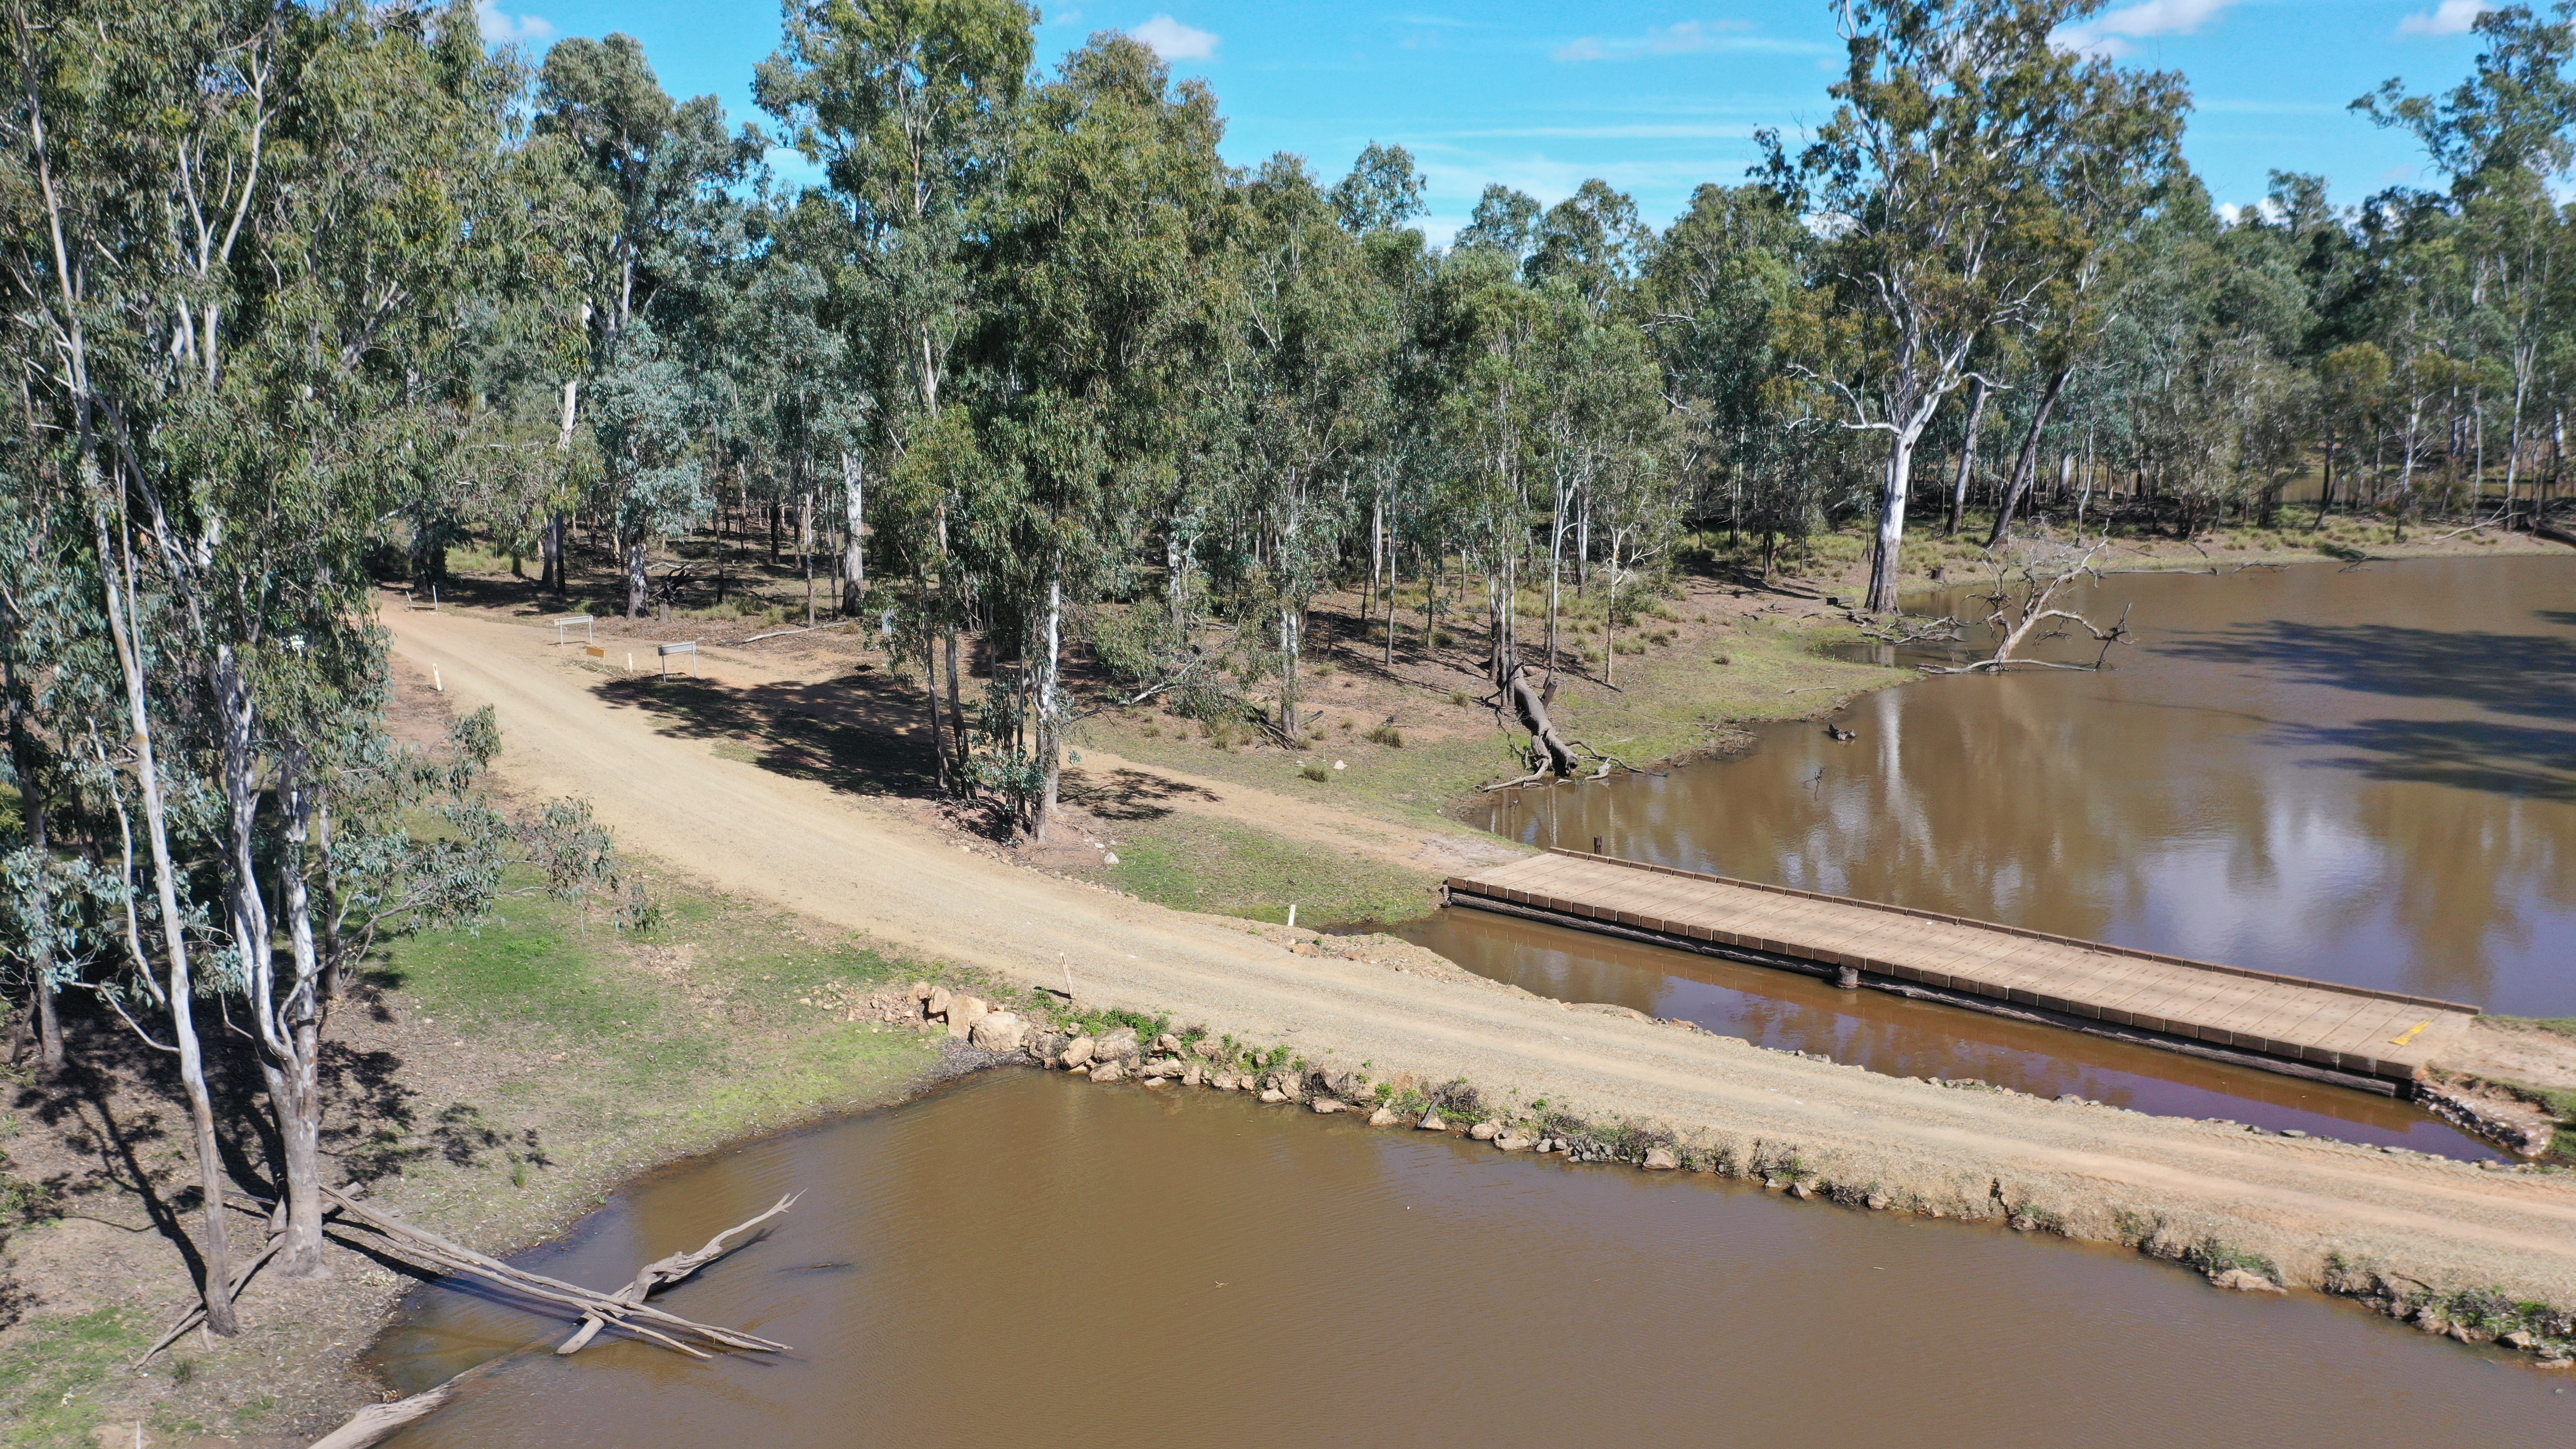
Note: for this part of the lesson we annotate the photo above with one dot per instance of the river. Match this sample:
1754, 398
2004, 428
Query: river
2362, 774
1028, 1258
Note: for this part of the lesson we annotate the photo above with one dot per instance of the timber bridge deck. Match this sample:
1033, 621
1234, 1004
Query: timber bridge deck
2378, 1040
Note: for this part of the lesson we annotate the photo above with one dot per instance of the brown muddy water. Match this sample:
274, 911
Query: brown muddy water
2364, 775
1026, 1258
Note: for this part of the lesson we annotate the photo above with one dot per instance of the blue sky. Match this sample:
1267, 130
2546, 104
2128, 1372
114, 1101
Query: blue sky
1656, 98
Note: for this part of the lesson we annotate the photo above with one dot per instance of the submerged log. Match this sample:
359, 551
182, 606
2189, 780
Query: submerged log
425, 1246
670, 1270
377, 1422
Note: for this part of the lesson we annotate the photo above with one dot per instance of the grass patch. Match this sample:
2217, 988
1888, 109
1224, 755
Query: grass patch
49, 1384
538, 963
2556, 1025
1196, 864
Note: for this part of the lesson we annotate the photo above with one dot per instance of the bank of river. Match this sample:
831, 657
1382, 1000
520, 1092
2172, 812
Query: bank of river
2364, 775
1029, 1256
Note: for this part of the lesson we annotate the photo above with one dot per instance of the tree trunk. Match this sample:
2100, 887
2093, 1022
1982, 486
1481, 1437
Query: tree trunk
854, 562
1977, 392
1549, 751
1884, 562
292, 1067
1390, 606
180, 988
1050, 751
1555, 575
636, 578
2028, 461
956, 709
1292, 639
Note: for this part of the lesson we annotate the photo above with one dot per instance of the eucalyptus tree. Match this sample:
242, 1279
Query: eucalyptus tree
1955, 121
905, 104
1311, 366
1505, 220
1743, 338
1594, 243
1382, 192
675, 227
1097, 264
2503, 136
246, 310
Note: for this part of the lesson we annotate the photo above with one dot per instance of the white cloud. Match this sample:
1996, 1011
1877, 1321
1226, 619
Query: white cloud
1172, 40
2109, 35
1685, 37
499, 28
2451, 17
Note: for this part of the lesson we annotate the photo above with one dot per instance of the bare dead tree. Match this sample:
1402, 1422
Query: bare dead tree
2027, 580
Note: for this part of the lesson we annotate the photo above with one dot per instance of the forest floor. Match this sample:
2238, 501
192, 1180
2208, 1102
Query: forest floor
495, 1084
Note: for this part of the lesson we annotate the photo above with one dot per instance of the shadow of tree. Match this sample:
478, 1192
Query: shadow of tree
863, 732
2518, 760
2521, 674
1128, 794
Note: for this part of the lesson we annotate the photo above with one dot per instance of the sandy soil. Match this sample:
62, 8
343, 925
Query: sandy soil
825, 848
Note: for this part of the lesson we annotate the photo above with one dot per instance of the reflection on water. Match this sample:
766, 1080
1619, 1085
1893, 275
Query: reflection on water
2365, 775
1030, 1259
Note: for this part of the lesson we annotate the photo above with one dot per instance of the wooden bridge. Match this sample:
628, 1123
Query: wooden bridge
2377, 1040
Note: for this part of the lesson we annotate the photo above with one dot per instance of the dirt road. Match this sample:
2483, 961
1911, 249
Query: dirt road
847, 859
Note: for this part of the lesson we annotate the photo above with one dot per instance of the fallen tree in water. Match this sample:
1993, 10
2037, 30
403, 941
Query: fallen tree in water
1552, 756
598, 1310
2026, 585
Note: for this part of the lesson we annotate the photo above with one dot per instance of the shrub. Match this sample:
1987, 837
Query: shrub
1317, 772
1387, 735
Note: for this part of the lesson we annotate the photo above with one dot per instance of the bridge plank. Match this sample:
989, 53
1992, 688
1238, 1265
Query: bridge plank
2281, 1016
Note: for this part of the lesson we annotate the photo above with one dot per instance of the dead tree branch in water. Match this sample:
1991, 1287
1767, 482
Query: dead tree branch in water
668, 1271
1904, 630
424, 1246
2026, 585
377, 1422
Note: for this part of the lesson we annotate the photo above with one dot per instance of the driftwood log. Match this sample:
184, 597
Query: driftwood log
670, 1270
424, 1246
598, 1310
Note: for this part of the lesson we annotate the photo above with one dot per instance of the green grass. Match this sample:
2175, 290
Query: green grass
49, 1384
539, 963
1192, 863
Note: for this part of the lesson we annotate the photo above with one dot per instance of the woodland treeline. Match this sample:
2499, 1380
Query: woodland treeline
299, 297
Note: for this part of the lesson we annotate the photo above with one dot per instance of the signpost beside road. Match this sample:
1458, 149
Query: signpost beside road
690, 649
